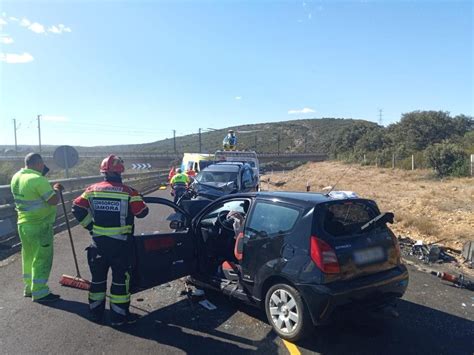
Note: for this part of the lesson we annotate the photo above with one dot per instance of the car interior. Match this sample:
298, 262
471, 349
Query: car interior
221, 237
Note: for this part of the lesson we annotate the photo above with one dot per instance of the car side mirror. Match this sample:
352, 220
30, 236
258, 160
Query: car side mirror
175, 224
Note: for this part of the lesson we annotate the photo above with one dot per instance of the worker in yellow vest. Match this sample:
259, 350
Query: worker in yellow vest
35, 202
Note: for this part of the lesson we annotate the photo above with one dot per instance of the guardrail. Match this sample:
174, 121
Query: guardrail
144, 182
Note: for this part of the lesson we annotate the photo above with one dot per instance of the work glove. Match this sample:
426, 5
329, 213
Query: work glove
58, 187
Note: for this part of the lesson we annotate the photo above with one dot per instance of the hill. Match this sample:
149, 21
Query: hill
311, 135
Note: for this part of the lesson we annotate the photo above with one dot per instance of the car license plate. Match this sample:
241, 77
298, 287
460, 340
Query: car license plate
368, 256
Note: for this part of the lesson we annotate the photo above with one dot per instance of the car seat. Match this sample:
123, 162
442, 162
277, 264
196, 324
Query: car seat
232, 270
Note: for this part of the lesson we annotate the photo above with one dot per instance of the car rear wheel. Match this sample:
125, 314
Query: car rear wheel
287, 312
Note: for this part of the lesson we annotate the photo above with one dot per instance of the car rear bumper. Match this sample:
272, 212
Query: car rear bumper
369, 292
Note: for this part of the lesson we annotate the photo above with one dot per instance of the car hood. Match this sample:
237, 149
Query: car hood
213, 189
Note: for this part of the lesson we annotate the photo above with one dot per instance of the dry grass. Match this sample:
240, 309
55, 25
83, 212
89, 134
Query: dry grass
425, 208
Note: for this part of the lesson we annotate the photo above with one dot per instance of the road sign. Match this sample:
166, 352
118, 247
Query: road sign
141, 166
66, 157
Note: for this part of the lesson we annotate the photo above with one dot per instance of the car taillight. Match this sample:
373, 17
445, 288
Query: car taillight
324, 256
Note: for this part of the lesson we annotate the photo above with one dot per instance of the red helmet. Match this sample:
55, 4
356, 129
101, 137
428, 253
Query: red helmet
112, 164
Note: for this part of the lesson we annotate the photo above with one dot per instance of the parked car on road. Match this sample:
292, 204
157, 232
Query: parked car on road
225, 178
300, 256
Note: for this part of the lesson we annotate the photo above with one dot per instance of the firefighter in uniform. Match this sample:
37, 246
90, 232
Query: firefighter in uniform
35, 202
107, 209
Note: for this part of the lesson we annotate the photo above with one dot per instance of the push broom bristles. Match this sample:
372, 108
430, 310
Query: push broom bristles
75, 282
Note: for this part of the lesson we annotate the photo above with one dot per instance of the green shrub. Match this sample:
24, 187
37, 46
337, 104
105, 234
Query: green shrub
447, 159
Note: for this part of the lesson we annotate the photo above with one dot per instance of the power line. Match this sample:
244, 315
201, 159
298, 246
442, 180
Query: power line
380, 117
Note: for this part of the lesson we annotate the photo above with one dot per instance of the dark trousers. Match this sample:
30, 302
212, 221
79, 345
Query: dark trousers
104, 253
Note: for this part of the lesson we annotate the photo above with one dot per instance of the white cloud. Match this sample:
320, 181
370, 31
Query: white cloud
3, 22
310, 16
59, 29
54, 118
11, 18
238, 97
37, 28
25, 22
13, 58
304, 110
6, 39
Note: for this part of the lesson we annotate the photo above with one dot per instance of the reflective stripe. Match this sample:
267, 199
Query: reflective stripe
123, 212
136, 199
99, 282
40, 281
109, 231
119, 298
118, 310
127, 282
86, 221
39, 294
113, 283
25, 206
96, 304
97, 296
112, 195
27, 276
46, 196
123, 237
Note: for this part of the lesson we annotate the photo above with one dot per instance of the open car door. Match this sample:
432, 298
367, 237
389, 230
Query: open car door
168, 251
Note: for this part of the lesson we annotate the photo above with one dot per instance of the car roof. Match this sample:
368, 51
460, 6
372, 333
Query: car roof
223, 167
304, 198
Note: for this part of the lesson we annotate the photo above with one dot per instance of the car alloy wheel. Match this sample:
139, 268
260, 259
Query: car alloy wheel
287, 312
284, 311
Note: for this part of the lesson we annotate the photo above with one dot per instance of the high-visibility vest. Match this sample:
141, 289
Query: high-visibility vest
180, 178
31, 192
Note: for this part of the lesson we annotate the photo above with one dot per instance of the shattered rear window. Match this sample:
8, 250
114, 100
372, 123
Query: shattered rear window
346, 218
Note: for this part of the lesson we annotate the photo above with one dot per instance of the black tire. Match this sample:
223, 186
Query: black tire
281, 315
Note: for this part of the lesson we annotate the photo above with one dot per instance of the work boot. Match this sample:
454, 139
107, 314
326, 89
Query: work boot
96, 317
130, 319
49, 298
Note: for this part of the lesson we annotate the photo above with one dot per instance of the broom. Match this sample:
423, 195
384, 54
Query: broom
66, 280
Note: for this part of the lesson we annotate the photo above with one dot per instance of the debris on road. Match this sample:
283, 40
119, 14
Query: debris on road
468, 253
427, 253
458, 281
208, 305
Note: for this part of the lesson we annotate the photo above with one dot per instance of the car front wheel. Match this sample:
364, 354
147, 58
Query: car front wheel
287, 312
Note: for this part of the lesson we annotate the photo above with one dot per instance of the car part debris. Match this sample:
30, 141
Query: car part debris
208, 305
458, 281
468, 253
197, 292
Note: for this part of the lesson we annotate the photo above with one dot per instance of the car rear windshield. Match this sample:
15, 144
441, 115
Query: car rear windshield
346, 217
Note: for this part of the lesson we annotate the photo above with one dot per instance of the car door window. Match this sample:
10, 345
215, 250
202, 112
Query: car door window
240, 206
247, 177
270, 219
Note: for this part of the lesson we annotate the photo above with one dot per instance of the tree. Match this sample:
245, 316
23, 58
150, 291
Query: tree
446, 159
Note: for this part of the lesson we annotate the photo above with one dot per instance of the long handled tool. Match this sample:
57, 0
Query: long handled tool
66, 280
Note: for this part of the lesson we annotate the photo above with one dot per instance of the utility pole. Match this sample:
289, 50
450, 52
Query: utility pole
278, 143
255, 144
380, 117
200, 142
305, 142
174, 141
14, 130
39, 132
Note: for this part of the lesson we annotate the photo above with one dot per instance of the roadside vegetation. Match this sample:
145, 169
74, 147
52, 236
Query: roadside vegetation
433, 210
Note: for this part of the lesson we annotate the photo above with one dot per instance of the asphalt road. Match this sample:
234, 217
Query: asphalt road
435, 318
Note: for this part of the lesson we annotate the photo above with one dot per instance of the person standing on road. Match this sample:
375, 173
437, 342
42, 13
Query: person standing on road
179, 183
35, 202
107, 209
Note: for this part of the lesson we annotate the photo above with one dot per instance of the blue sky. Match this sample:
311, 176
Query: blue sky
112, 72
